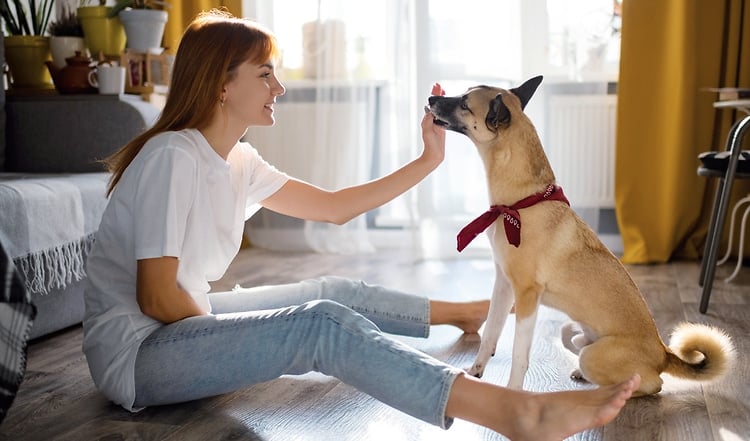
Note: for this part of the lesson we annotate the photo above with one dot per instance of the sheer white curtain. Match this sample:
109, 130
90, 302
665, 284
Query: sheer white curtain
460, 48
502, 43
347, 69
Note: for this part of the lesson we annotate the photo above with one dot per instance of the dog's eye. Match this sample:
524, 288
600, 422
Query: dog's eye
464, 106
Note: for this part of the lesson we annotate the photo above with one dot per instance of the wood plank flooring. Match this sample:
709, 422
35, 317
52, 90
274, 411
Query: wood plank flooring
58, 401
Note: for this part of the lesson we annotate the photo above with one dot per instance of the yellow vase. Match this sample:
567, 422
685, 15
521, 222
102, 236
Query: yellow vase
104, 36
26, 56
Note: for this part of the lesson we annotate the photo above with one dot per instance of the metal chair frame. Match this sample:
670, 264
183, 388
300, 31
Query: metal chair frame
721, 202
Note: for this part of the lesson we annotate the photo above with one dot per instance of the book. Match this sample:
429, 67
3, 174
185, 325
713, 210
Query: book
731, 93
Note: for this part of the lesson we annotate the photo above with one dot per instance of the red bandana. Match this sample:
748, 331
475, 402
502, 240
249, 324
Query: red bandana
511, 217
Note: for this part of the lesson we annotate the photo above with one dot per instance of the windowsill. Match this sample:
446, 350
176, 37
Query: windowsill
312, 83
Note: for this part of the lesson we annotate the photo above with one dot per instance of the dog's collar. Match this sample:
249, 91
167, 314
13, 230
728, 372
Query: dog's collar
511, 217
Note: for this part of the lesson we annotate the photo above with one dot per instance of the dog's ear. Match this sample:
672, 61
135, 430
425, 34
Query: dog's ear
497, 114
527, 89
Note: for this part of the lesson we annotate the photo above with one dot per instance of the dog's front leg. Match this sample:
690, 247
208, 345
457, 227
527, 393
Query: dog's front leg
525, 322
502, 300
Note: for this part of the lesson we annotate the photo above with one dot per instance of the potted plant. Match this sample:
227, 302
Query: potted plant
104, 35
26, 46
144, 23
66, 37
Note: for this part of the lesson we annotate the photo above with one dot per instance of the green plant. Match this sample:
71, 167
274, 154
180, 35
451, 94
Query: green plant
17, 21
67, 25
135, 4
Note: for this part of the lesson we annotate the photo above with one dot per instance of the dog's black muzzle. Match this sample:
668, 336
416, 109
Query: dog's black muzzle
444, 111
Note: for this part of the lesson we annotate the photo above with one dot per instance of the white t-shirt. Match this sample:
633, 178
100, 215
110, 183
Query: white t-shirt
177, 198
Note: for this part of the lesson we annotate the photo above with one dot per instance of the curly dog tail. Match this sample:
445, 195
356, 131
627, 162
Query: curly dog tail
699, 352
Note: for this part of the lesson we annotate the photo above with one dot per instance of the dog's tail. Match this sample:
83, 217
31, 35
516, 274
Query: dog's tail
699, 352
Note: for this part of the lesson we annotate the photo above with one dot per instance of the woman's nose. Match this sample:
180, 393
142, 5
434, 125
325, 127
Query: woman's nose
280, 89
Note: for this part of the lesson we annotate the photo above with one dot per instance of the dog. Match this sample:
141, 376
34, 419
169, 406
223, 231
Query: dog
545, 254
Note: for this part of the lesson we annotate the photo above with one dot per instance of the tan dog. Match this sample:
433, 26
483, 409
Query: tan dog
545, 254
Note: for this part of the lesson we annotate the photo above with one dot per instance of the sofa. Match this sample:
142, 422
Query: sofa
53, 188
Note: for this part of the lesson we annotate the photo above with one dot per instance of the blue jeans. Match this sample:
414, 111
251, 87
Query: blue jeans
330, 325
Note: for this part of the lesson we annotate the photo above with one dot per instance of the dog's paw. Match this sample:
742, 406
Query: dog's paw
476, 371
577, 375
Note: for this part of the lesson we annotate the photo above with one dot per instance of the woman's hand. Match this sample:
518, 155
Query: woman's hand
159, 295
305, 201
433, 135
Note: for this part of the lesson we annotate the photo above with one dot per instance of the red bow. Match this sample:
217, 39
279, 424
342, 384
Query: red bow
511, 217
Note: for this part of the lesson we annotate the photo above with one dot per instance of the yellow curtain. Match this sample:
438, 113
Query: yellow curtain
182, 12
670, 51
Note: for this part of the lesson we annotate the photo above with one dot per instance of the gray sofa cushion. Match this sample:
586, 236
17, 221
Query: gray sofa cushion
70, 133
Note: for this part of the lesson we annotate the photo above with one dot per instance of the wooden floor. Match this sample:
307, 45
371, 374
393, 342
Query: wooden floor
57, 400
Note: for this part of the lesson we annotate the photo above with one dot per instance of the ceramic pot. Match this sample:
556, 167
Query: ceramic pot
103, 35
63, 47
144, 29
74, 77
26, 56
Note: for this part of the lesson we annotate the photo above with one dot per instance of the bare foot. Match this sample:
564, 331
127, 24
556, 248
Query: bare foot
471, 316
467, 316
555, 416
523, 416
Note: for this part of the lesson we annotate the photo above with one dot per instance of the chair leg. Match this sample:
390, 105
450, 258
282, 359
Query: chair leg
741, 246
711, 232
712, 244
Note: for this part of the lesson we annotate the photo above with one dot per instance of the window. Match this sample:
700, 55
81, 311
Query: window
407, 45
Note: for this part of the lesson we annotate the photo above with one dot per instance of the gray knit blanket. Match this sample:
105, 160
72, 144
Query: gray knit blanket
17, 314
47, 223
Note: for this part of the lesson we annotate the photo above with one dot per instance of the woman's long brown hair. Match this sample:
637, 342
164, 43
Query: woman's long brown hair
212, 47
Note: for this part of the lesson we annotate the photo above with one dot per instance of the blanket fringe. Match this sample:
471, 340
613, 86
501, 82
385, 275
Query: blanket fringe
57, 267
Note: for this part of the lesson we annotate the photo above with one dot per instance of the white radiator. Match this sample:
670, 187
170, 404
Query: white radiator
328, 143
310, 141
580, 144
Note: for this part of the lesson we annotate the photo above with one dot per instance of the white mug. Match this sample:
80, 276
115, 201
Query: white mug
109, 79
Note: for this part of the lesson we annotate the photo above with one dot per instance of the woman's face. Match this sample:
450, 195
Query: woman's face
251, 94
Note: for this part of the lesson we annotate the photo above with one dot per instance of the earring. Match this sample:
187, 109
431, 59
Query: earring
221, 101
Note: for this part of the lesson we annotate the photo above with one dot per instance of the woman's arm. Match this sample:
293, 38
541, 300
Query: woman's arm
306, 201
158, 294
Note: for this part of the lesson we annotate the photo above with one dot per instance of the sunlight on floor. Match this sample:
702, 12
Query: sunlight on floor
727, 435
381, 430
459, 430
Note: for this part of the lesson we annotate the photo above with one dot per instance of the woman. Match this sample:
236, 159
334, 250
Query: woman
179, 196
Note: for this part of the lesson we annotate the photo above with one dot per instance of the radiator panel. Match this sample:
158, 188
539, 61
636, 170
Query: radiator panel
581, 147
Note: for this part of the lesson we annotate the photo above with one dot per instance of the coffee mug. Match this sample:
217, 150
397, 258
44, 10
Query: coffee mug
109, 79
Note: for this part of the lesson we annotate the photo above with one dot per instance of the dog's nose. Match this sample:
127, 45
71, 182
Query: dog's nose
432, 99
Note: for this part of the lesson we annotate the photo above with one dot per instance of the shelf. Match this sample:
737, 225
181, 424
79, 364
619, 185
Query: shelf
62, 97
743, 105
